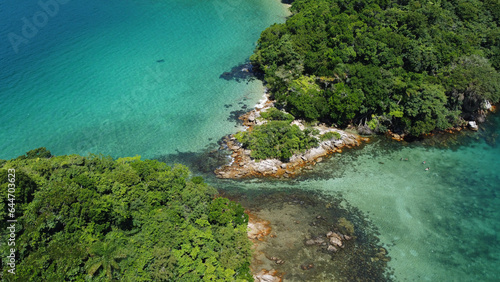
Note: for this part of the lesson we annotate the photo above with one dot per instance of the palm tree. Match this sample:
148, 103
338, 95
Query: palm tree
104, 255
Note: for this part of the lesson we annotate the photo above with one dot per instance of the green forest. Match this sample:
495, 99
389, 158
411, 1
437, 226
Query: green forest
408, 66
98, 219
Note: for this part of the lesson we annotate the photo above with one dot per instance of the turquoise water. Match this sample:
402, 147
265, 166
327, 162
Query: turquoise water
142, 77
125, 77
438, 225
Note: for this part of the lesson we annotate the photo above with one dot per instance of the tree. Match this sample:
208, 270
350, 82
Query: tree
103, 256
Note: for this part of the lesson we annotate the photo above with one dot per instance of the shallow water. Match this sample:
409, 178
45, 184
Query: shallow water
438, 225
125, 77
142, 77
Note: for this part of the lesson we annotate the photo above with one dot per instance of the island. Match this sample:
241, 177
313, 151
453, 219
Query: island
275, 144
405, 69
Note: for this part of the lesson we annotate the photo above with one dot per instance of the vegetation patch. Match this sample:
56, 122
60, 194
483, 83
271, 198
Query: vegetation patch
276, 115
98, 219
415, 66
276, 139
329, 136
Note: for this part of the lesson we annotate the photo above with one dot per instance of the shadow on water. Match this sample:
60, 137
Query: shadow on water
200, 163
240, 73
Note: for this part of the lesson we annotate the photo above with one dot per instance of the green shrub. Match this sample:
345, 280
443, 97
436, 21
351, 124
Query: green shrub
274, 114
277, 139
330, 135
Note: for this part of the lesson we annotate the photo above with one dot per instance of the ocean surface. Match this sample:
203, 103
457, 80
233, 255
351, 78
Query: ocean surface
131, 77
125, 77
442, 224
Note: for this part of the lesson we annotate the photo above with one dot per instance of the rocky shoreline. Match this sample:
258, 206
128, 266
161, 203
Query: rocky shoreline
301, 236
472, 125
243, 166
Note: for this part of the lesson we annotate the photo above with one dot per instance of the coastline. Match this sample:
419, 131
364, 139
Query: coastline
243, 166
301, 236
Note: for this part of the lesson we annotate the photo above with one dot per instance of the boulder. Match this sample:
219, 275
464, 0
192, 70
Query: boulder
335, 239
331, 248
487, 105
313, 154
319, 241
473, 125
310, 242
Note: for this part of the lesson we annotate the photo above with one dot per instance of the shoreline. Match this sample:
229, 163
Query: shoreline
243, 166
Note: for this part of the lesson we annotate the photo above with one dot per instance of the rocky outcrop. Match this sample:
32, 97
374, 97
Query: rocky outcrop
334, 239
257, 228
473, 125
267, 276
243, 166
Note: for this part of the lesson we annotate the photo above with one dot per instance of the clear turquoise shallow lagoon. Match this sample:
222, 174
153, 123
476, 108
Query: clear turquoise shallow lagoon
125, 77
143, 77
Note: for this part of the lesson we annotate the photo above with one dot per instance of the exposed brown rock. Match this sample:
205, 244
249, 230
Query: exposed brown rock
243, 166
268, 276
257, 228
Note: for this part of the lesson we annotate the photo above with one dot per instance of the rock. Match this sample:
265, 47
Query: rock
313, 154
279, 261
319, 241
257, 228
307, 266
267, 276
473, 125
347, 237
310, 242
299, 124
382, 252
487, 105
283, 166
364, 130
331, 248
335, 239
233, 147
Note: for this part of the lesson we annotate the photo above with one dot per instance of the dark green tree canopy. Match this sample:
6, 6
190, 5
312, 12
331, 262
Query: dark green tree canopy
98, 219
433, 62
